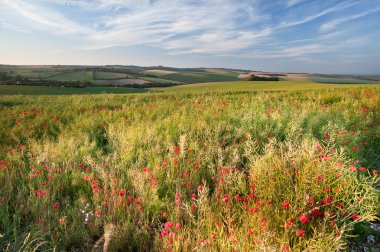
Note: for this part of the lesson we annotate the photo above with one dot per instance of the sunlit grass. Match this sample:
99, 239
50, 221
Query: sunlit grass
257, 86
213, 171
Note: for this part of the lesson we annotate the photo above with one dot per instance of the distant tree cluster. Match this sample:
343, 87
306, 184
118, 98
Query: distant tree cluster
260, 78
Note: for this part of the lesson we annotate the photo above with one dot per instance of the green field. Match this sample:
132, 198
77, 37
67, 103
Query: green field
37, 90
72, 76
201, 75
158, 80
160, 74
211, 167
342, 80
108, 75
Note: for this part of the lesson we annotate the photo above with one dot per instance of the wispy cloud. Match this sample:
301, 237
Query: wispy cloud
332, 24
306, 19
304, 51
217, 27
13, 27
290, 3
186, 26
46, 18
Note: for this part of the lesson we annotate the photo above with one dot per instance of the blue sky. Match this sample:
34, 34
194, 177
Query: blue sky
322, 36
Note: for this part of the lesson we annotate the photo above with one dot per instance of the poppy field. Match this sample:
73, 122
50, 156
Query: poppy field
273, 170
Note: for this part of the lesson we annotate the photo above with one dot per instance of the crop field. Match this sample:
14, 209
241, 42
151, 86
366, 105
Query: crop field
158, 80
108, 75
285, 168
202, 75
256, 86
342, 79
38, 90
73, 76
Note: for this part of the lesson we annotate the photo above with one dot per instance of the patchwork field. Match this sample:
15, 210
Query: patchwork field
288, 167
108, 75
73, 76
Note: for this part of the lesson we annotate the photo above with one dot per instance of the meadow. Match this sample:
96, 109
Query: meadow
226, 166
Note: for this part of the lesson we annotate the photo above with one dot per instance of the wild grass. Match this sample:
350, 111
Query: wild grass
219, 171
237, 86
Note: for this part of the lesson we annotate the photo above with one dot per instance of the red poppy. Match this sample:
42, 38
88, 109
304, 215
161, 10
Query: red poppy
304, 219
285, 248
355, 217
285, 204
168, 225
56, 206
288, 224
253, 210
300, 232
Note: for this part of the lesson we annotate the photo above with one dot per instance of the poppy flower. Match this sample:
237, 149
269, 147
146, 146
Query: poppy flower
303, 218
168, 225
288, 224
285, 204
355, 217
300, 232
56, 206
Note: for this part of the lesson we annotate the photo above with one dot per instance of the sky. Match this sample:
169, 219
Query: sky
315, 36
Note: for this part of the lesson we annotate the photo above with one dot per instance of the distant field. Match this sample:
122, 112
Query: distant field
222, 72
196, 76
120, 82
159, 72
108, 75
73, 76
159, 80
341, 80
38, 90
254, 86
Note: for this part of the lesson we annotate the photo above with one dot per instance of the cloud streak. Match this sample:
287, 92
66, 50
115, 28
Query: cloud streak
46, 18
332, 24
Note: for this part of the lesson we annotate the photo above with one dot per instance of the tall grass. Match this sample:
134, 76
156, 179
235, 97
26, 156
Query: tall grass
216, 172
